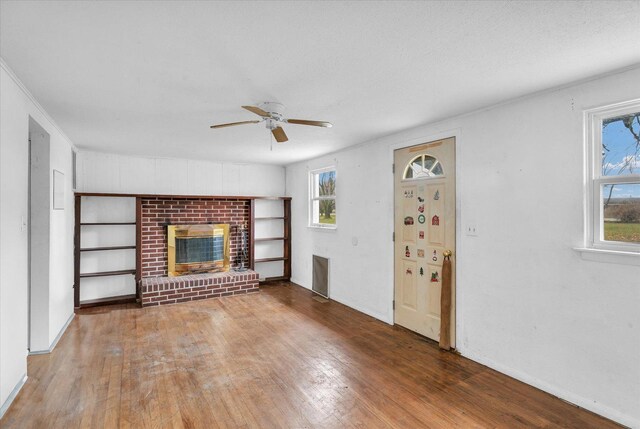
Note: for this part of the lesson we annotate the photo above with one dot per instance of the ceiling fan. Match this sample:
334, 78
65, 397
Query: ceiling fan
272, 115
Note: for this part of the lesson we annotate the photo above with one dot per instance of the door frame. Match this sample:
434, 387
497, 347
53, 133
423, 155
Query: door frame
416, 141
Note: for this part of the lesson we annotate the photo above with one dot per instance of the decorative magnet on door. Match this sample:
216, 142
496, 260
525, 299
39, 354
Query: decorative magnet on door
408, 194
435, 220
420, 200
421, 218
434, 277
436, 196
421, 208
421, 235
420, 253
434, 258
407, 253
409, 271
421, 271
408, 220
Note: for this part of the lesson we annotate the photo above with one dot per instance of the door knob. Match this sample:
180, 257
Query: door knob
447, 253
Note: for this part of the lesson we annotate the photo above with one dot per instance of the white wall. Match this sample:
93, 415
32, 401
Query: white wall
16, 106
528, 304
104, 172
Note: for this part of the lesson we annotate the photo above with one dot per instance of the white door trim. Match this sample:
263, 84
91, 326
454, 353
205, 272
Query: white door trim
457, 134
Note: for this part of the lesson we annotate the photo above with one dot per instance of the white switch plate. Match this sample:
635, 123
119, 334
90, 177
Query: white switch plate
471, 230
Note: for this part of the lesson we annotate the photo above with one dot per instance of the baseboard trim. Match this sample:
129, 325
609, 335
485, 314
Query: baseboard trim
572, 398
375, 315
55, 340
13, 395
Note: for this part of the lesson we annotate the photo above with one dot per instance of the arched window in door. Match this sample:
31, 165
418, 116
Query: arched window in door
423, 166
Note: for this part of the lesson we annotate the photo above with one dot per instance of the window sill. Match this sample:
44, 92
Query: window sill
323, 228
609, 256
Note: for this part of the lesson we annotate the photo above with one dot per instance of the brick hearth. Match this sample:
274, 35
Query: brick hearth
171, 290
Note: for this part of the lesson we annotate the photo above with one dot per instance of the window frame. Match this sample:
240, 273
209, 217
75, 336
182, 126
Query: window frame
434, 177
595, 181
313, 197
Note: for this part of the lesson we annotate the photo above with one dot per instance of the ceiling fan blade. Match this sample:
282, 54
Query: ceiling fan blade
279, 134
233, 124
306, 122
258, 111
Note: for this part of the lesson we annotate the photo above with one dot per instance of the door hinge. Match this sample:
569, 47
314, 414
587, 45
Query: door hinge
393, 168
393, 236
393, 304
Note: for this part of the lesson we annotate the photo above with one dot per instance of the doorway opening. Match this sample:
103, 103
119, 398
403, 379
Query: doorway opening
39, 209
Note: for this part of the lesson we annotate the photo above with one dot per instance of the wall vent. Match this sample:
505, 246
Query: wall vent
320, 276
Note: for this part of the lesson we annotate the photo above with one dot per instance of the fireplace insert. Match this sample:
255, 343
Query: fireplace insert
194, 249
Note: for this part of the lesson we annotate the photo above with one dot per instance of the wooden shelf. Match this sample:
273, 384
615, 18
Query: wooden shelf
107, 223
269, 239
108, 273
99, 249
273, 279
281, 258
122, 299
270, 217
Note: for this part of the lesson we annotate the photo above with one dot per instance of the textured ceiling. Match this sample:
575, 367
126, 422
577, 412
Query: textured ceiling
149, 78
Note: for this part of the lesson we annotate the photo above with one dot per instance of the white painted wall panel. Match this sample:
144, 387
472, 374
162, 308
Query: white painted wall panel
99, 287
205, 178
270, 269
269, 208
528, 305
135, 174
104, 172
15, 108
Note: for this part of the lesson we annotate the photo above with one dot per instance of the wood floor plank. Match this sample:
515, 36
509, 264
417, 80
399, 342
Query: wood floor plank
276, 359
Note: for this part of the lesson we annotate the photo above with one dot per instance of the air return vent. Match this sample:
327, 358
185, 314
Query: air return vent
321, 276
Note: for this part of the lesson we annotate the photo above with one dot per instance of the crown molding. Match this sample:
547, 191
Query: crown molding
23, 88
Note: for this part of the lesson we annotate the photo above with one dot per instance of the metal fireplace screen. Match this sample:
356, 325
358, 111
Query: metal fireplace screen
194, 249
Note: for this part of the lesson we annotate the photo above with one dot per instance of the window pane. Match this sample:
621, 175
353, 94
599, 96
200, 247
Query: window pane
621, 145
428, 162
423, 166
621, 212
327, 183
437, 170
324, 212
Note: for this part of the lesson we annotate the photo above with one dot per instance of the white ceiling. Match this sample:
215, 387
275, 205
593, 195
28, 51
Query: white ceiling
149, 78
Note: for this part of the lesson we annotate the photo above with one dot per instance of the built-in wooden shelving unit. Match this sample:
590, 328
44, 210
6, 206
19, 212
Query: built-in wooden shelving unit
122, 299
270, 239
271, 225
100, 249
99, 232
271, 259
106, 223
108, 273
273, 212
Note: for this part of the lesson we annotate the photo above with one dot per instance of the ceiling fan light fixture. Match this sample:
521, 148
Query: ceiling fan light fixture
272, 114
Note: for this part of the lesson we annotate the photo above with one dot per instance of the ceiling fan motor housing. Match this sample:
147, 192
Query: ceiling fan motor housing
275, 109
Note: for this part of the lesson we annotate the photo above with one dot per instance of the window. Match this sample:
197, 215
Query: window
422, 166
322, 193
613, 194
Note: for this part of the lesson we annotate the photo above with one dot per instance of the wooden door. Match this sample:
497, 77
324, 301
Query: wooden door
425, 214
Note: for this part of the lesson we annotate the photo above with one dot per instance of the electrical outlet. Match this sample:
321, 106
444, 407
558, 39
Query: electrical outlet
471, 230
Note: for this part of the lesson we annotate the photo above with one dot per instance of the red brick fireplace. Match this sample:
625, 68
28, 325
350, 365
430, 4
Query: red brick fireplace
159, 212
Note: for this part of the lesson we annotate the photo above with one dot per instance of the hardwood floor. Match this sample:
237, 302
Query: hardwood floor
274, 359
